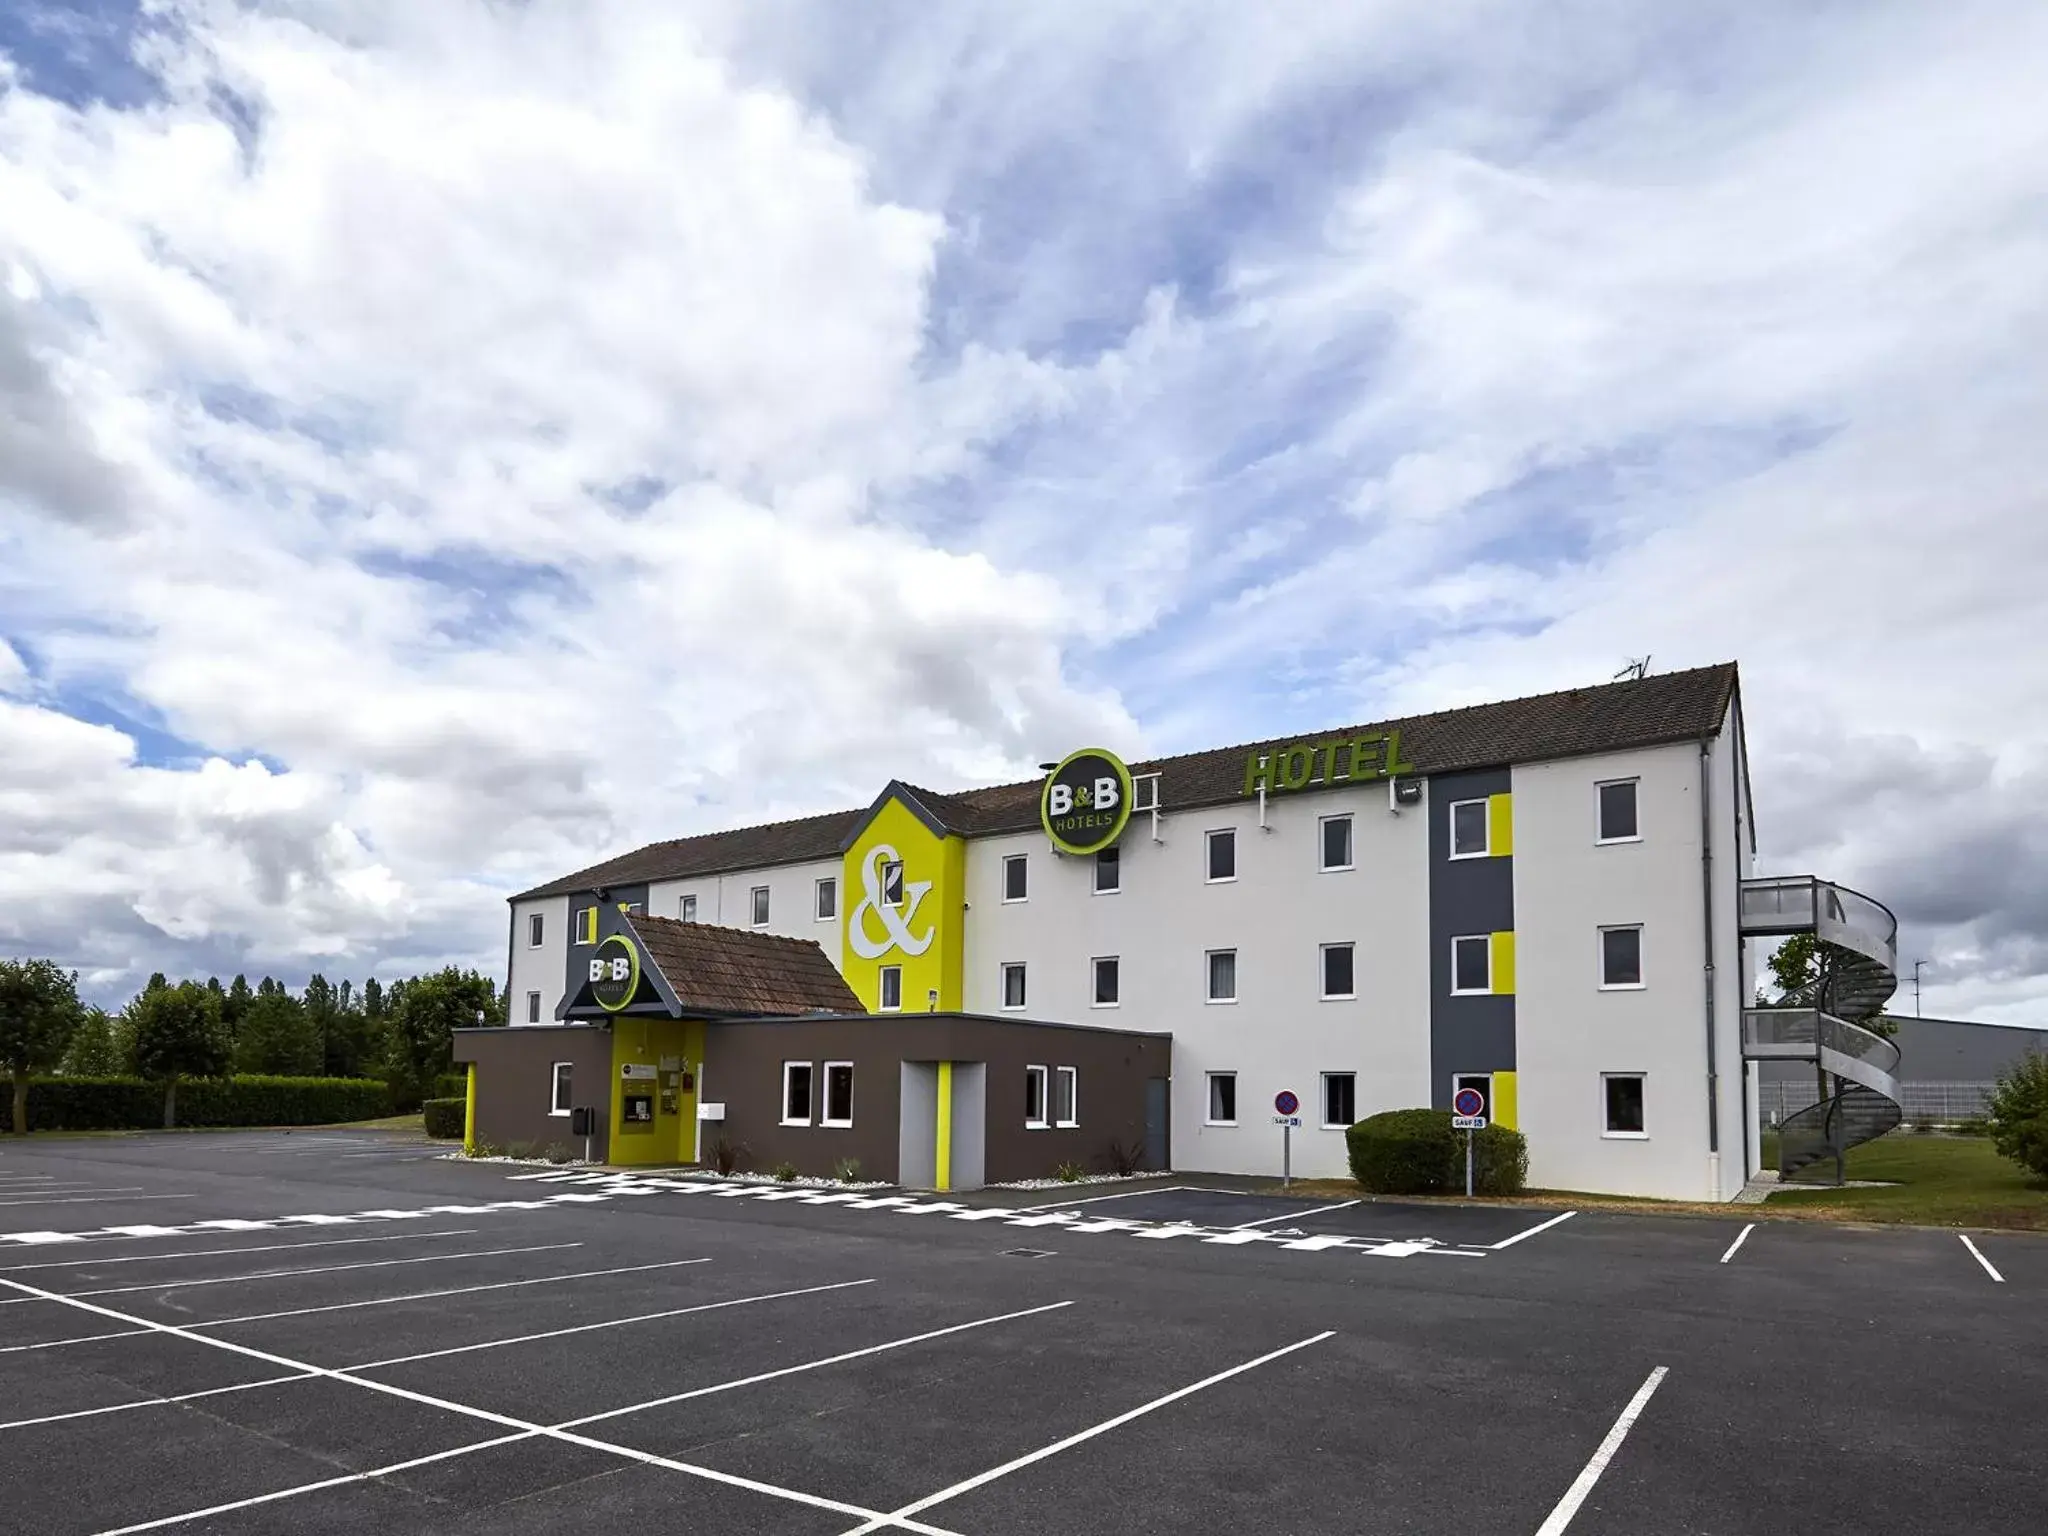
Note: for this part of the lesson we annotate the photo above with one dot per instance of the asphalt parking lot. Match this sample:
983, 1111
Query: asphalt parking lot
342, 1331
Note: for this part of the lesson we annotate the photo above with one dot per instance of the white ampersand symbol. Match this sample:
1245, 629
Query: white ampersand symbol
895, 923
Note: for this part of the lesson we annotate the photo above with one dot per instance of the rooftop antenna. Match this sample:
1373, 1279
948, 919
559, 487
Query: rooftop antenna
1637, 669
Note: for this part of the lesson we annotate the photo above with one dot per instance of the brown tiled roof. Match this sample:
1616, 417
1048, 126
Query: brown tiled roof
1606, 717
733, 970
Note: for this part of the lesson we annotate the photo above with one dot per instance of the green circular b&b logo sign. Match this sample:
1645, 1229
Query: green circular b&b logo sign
1086, 801
615, 973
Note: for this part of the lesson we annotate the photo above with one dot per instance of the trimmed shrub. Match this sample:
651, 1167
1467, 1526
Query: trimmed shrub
129, 1104
1416, 1152
446, 1117
451, 1085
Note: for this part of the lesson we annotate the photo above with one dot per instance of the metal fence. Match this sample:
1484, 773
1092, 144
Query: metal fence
1942, 1103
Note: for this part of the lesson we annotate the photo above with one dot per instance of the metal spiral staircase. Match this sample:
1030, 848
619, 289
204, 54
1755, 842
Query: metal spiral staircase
1858, 975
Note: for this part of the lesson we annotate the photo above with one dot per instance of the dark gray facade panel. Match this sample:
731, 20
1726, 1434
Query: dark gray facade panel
515, 1078
1466, 896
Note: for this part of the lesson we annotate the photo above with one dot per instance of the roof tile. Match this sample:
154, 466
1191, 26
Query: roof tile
733, 970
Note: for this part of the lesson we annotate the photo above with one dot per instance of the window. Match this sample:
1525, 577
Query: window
796, 1093
1623, 1092
760, 906
892, 883
533, 1007
1472, 963
1621, 956
630, 908
536, 929
892, 988
586, 926
688, 910
1340, 1100
1617, 811
1016, 877
1066, 1103
1109, 870
1034, 1098
1222, 975
828, 899
1222, 1098
1013, 984
561, 1095
1336, 835
1338, 979
1223, 854
1106, 980
1468, 829
838, 1094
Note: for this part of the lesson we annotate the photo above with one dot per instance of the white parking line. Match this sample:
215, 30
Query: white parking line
525, 1427
432, 1354
98, 1199
83, 1262
1170, 1189
345, 1306
1574, 1496
1740, 1238
286, 1274
1979, 1257
1541, 1226
896, 1517
1294, 1215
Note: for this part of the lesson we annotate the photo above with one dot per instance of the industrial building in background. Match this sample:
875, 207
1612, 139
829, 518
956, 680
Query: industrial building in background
1550, 899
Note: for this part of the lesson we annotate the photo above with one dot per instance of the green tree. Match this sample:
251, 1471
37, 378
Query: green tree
277, 1037
39, 1013
426, 1010
373, 1000
179, 1034
237, 1003
2019, 1113
94, 1049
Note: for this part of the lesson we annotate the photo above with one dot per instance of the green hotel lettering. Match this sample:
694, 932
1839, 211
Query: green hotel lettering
1295, 767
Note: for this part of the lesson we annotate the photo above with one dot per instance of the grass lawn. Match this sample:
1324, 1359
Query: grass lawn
1941, 1181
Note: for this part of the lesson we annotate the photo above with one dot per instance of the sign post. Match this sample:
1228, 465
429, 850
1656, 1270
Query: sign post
1468, 1114
1286, 1115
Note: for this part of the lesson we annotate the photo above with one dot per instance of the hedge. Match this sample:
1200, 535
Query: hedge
1416, 1152
446, 1117
130, 1104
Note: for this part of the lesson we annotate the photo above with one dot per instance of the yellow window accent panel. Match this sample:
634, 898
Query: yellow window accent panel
1500, 825
586, 926
1504, 1100
1504, 962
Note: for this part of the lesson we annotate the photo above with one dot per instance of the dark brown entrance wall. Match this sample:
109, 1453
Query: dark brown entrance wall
515, 1081
743, 1063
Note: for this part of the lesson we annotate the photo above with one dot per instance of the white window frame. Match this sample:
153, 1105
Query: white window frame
810, 1092
1323, 972
585, 922
1209, 876
1607, 1133
1016, 861
555, 1104
1003, 985
533, 1007
1095, 965
892, 874
686, 907
1350, 842
1209, 1098
1111, 857
824, 884
1467, 938
883, 975
1071, 1076
758, 910
1485, 824
1209, 978
1044, 1099
1600, 837
632, 908
1328, 1123
1642, 980
536, 929
825, 1098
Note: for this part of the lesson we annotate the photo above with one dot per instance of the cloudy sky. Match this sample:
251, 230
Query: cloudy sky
441, 445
